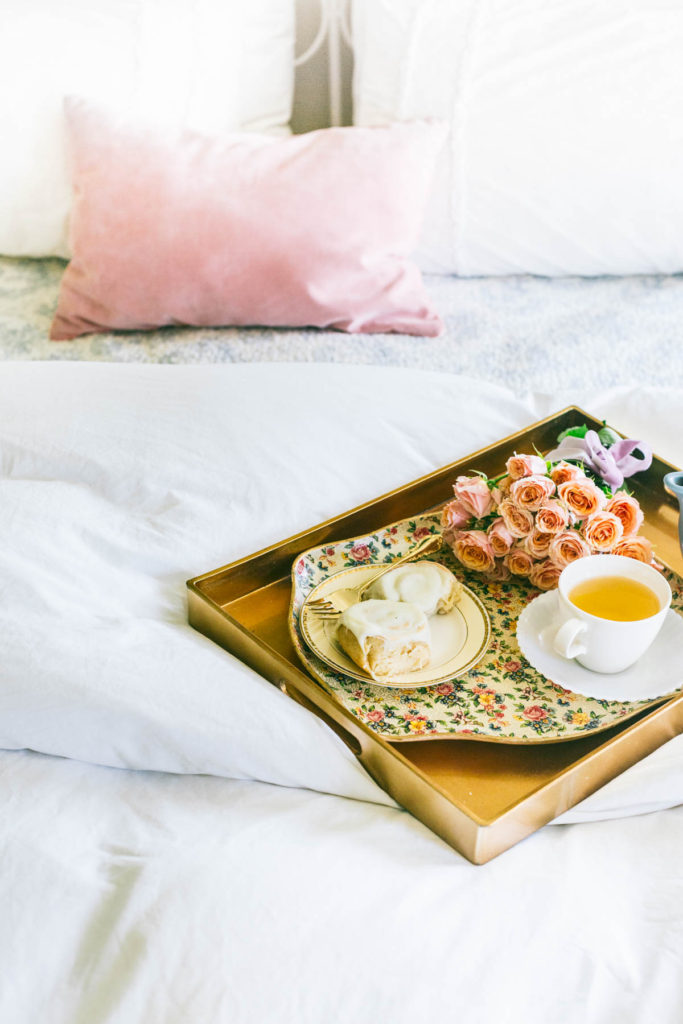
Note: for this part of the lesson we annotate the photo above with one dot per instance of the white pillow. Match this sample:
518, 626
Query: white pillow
207, 64
566, 149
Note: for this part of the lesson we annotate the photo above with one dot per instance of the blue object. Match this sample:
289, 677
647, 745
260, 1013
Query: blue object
673, 483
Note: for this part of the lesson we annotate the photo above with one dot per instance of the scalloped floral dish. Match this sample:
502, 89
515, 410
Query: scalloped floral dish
500, 698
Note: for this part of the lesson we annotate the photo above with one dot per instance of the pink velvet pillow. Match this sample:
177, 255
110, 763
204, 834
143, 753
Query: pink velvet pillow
311, 230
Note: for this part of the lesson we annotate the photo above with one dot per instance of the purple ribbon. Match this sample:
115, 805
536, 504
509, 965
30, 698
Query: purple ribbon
611, 464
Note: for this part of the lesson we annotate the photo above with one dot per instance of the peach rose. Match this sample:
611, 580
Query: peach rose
532, 491
519, 466
500, 538
552, 517
602, 530
626, 508
565, 471
582, 497
634, 547
454, 516
538, 544
517, 521
473, 550
567, 547
545, 575
472, 493
519, 562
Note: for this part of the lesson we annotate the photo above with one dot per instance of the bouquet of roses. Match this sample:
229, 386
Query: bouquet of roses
543, 513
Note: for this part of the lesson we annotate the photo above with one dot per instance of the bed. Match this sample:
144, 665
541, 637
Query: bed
182, 842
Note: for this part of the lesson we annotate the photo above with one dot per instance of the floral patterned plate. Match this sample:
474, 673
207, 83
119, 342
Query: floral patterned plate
501, 698
458, 639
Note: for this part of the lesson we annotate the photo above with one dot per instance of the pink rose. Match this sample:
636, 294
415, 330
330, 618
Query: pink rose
582, 497
517, 521
538, 544
519, 562
532, 491
519, 466
473, 550
602, 530
552, 517
360, 553
444, 689
535, 713
634, 547
422, 531
564, 471
512, 666
455, 515
500, 537
626, 508
567, 547
375, 716
473, 493
545, 575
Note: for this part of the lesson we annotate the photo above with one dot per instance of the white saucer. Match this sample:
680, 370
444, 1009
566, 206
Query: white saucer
658, 673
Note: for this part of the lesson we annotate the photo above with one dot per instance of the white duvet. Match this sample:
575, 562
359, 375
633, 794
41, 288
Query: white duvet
205, 895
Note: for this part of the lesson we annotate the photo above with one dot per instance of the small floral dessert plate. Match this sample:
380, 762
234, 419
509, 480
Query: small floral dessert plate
458, 639
500, 697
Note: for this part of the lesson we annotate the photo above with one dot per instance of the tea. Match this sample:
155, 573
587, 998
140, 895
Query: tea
615, 597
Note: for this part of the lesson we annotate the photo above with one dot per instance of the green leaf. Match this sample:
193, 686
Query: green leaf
573, 432
607, 436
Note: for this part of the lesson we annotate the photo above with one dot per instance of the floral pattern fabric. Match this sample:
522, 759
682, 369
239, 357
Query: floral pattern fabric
502, 698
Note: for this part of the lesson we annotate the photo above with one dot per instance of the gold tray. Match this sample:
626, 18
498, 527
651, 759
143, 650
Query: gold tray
481, 798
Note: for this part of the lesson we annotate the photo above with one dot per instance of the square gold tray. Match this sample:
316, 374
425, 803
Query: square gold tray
481, 798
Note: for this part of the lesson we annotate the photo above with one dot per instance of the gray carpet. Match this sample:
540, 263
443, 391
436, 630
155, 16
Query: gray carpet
525, 333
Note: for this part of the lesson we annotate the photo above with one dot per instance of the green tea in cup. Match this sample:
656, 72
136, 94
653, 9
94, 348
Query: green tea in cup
615, 597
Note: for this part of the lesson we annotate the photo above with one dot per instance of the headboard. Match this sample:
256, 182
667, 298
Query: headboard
324, 63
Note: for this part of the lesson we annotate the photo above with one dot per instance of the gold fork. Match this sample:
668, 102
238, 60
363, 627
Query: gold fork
339, 600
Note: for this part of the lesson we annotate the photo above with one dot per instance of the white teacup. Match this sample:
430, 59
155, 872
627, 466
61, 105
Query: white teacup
605, 644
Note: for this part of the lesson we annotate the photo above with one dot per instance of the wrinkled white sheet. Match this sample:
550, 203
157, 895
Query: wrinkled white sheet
118, 482
168, 896
143, 898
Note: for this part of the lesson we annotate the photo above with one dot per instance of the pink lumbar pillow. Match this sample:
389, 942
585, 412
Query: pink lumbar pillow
184, 229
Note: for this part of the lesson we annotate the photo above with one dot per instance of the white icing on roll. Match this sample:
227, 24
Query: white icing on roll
422, 583
396, 622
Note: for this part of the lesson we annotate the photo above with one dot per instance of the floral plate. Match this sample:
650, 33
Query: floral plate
500, 698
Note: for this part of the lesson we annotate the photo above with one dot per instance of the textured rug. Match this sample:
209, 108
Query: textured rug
526, 333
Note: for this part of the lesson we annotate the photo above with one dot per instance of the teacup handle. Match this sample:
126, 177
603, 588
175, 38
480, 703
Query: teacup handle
565, 642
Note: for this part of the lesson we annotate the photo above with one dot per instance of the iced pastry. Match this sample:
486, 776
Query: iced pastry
432, 587
385, 638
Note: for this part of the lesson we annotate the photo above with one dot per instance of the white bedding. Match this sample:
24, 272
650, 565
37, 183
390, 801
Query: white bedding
196, 889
